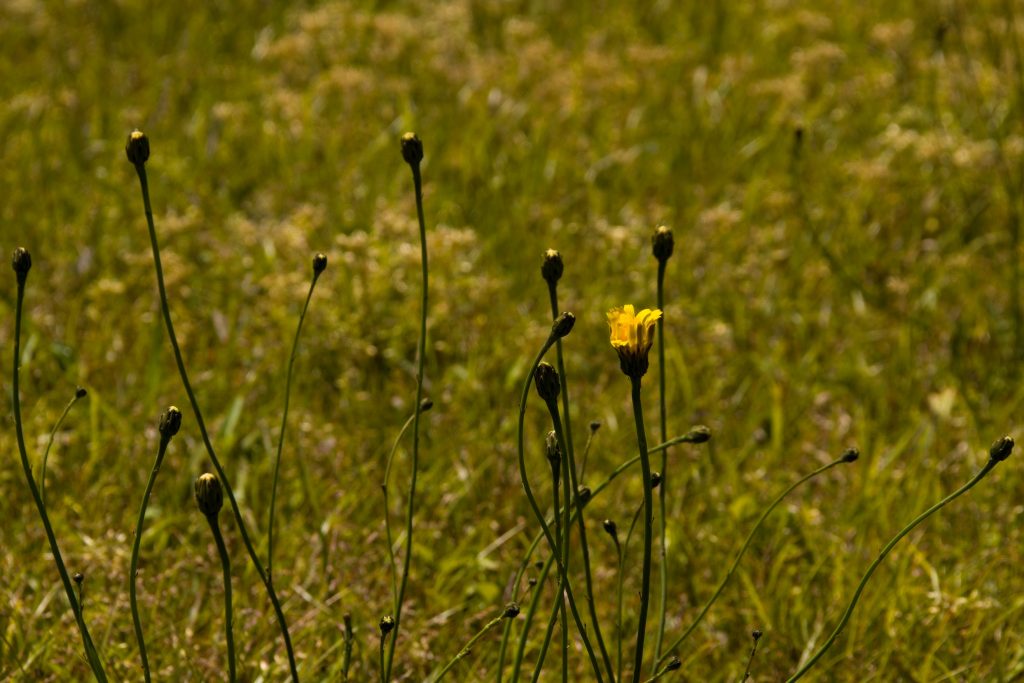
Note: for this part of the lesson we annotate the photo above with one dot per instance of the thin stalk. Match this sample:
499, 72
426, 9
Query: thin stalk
383, 637
645, 577
387, 516
90, 650
79, 393
559, 610
663, 671
992, 462
420, 353
134, 570
619, 559
663, 565
225, 564
347, 657
284, 424
586, 452
750, 658
623, 554
469, 646
743, 549
545, 529
140, 168
558, 607
532, 610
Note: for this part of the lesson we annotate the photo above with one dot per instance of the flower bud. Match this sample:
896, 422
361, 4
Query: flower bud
137, 148
80, 392
554, 453
673, 664
563, 325
662, 243
584, 495
610, 528
698, 434
412, 149
595, 425
532, 581
387, 625
545, 377
209, 495
851, 454
1001, 449
319, 263
79, 577
553, 267
655, 479
21, 261
756, 635
426, 404
170, 422
511, 611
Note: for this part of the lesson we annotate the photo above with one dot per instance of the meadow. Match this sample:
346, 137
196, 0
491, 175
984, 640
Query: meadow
845, 187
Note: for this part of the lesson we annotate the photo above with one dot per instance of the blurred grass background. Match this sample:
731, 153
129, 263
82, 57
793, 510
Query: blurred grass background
844, 184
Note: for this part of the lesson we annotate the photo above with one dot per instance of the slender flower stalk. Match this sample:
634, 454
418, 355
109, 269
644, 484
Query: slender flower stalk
387, 625
347, 656
209, 500
999, 451
137, 151
170, 423
662, 245
319, 264
556, 459
22, 262
849, 456
510, 612
552, 270
623, 555
756, 636
412, 152
79, 394
672, 665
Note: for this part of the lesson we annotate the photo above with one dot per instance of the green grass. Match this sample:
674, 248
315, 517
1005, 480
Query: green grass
856, 287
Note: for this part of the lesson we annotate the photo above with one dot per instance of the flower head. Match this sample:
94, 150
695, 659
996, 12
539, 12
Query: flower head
632, 337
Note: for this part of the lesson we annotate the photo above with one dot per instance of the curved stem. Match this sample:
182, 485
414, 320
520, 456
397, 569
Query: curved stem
878, 560
387, 516
420, 354
743, 549
225, 564
90, 649
469, 646
134, 570
214, 460
284, 424
49, 445
623, 555
645, 577
558, 607
663, 564
532, 610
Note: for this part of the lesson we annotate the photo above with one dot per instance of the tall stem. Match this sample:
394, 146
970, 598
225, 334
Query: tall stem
214, 460
225, 565
645, 578
662, 521
420, 353
134, 570
90, 650
468, 647
49, 443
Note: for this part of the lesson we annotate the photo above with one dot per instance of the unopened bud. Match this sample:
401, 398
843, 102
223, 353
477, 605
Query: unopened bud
655, 479
511, 611
412, 149
610, 528
1001, 449
21, 261
698, 434
80, 392
595, 425
756, 635
79, 577
662, 243
851, 454
319, 263
532, 581
137, 147
209, 495
563, 325
553, 267
584, 495
554, 453
387, 625
170, 422
673, 664
426, 404
545, 378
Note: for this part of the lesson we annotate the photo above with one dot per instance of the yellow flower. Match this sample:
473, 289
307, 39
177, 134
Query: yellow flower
633, 336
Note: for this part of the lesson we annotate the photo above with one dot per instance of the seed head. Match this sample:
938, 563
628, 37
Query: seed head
137, 147
21, 261
511, 611
673, 664
387, 625
209, 495
426, 404
545, 378
170, 422
80, 392
662, 243
412, 149
319, 263
563, 324
1001, 449
553, 267
851, 454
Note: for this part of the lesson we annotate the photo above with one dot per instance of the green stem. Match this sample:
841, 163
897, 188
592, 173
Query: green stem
878, 560
49, 445
558, 607
663, 564
743, 549
284, 424
420, 354
545, 529
623, 556
532, 610
214, 460
645, 577
661, 673
347, 657
387, 516
225, 564
382, 638
90, 650
469, 646
620, 559
133, 571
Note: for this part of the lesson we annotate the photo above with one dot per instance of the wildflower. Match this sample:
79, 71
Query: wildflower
412, 149
170, 422
137, 147
563, 324
545, 378
632, 337
553, 266
21, 261
1001, 449
319, 263
387, 624
209, 495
